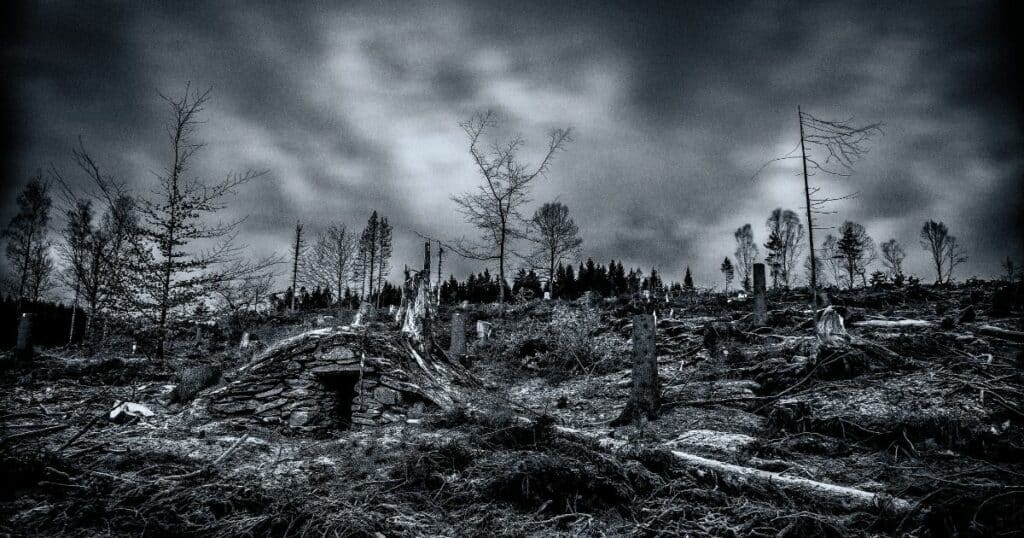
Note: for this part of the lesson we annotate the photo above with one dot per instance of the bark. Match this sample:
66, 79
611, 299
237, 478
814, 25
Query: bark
645, 396
760, 305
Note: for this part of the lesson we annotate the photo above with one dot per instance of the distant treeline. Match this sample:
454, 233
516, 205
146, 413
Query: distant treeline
569, 283
50, 327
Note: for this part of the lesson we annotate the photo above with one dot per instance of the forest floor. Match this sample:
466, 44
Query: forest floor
928, 411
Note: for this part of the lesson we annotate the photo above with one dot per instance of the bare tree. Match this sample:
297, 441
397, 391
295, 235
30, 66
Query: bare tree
955, 256
746, 253
556, 238
173, 273
494, 207
329, 264
831, 147
383, 250
26, 235
785, 225
945, 251
297, 249
892, 257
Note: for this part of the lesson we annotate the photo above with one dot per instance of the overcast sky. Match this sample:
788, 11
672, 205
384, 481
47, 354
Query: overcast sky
675, 107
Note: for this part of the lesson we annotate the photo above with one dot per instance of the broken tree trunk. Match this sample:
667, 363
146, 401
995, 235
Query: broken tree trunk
23, 348
999, 332
760, 304
458, 341
645, 397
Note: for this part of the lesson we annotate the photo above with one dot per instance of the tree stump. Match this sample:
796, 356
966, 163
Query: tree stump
458, 344
644, 399
23, 349
760, 304
483, 331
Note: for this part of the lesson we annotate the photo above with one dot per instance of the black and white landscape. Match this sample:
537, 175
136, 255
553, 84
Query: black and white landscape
511, 269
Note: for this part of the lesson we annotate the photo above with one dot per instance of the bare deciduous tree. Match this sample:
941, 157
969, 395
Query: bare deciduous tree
945, 251
785, 225
329, 263
556, 238
746, 253
892, 257
494, 207
26, 235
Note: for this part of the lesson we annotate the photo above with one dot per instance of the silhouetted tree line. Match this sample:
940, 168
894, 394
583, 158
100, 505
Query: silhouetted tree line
569, 283
47, 314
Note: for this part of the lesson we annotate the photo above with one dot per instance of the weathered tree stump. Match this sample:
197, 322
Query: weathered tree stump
23, 349
644, 399
458, 342
483, 331
760, 304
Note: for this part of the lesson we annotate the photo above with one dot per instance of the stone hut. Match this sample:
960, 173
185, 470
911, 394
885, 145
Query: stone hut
337, 378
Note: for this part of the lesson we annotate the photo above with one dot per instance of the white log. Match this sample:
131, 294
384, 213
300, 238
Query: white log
822, 491
894, 323
999, 332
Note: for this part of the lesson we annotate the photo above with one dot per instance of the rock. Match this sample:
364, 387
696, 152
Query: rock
967, 315
234, 408
711, 440
298, 419
272, 405
130, 409
329, 369
338, 353
387, 396
269, 393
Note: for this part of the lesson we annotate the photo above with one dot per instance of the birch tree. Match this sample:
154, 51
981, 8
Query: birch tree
495, 206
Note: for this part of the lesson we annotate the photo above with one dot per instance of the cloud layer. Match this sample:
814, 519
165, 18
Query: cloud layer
356, 108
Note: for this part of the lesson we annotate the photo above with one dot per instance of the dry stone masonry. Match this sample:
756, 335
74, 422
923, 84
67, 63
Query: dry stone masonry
333, 378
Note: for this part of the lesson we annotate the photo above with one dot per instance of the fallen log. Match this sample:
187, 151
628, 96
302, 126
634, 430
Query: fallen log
999, 332
841, 496
894, 323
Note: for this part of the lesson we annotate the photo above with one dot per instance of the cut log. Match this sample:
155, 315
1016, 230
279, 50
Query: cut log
999, 332
832, 494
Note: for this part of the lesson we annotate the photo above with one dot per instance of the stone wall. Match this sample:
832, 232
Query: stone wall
296, 384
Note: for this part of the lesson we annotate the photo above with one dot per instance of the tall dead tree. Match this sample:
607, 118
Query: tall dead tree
171, 273
296, 256
494, 207
556, 238
830, 147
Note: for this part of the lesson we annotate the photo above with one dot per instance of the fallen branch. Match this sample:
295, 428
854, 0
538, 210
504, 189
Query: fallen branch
33, 433
999, 332
829, 493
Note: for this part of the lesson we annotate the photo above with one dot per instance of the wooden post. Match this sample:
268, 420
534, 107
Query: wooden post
644, 398
458, 345
760, 305
23, 349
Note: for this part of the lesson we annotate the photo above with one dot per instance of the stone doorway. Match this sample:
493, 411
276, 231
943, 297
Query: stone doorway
341, 387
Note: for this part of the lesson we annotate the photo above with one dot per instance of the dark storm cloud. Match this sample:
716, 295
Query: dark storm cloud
356, 107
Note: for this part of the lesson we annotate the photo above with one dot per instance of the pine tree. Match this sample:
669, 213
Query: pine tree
688, 280
728, 271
